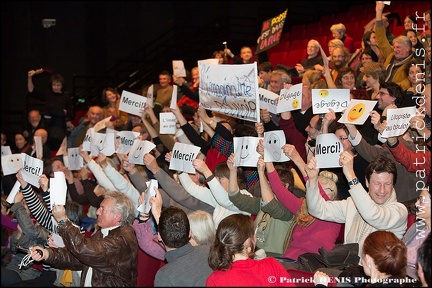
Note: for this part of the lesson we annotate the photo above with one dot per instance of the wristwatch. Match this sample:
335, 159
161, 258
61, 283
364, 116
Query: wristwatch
354, 181
63, 221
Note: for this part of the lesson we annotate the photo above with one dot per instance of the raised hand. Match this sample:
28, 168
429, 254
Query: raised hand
201, 166
127, 166
156, 205
260, 147
102, 160
151, 163
231, 161
259, 127
312, 170
43, 182
261, 165
168, 156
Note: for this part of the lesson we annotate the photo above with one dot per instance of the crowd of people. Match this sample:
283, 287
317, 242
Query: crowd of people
227, 225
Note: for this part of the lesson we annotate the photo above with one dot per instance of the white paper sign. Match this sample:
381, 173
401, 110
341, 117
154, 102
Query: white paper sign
145, 207
336, 99
87, 141
245, 151
63, 148
38, 146
268, 100
58, 189
273, 142
183, 156
58, 240
5, 150
290, 99
211, 61
138, 150
398, 121
101, 124
327, 150
178, 68
357, 111
132, 103
149, 95
125, 140
230, 89
168, 123
11, 163
103, 143
15, 189
32, 169
173, 104
75, 161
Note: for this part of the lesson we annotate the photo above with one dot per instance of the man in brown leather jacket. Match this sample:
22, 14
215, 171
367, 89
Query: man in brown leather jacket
109, 257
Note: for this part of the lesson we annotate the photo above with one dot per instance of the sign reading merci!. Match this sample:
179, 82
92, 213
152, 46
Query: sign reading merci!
132, 103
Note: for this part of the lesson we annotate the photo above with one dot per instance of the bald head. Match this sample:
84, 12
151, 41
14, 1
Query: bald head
34, 117
42, 133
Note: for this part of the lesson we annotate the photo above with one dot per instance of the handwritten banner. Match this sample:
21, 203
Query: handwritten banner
271, 32
230, 89
336, 99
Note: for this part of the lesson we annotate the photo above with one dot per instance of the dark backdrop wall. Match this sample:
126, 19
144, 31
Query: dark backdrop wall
91, 37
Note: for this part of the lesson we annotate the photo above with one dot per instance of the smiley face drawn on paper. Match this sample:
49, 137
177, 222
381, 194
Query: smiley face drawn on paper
100, 144
273, 146
295, 103
137, 153
14, 162
356, 112
323, 93
73, 159
244, 153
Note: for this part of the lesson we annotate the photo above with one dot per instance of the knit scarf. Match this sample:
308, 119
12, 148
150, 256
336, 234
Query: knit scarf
302, 219
224, 146
392, 67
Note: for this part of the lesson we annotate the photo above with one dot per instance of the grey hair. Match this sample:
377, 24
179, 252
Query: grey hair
122, 205
202, 227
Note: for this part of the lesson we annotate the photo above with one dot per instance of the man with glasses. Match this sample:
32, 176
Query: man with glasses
389, 94
339, 58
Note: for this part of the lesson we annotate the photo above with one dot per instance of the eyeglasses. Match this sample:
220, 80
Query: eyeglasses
423, 199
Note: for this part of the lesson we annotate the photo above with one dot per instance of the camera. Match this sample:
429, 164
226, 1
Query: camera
312, 142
